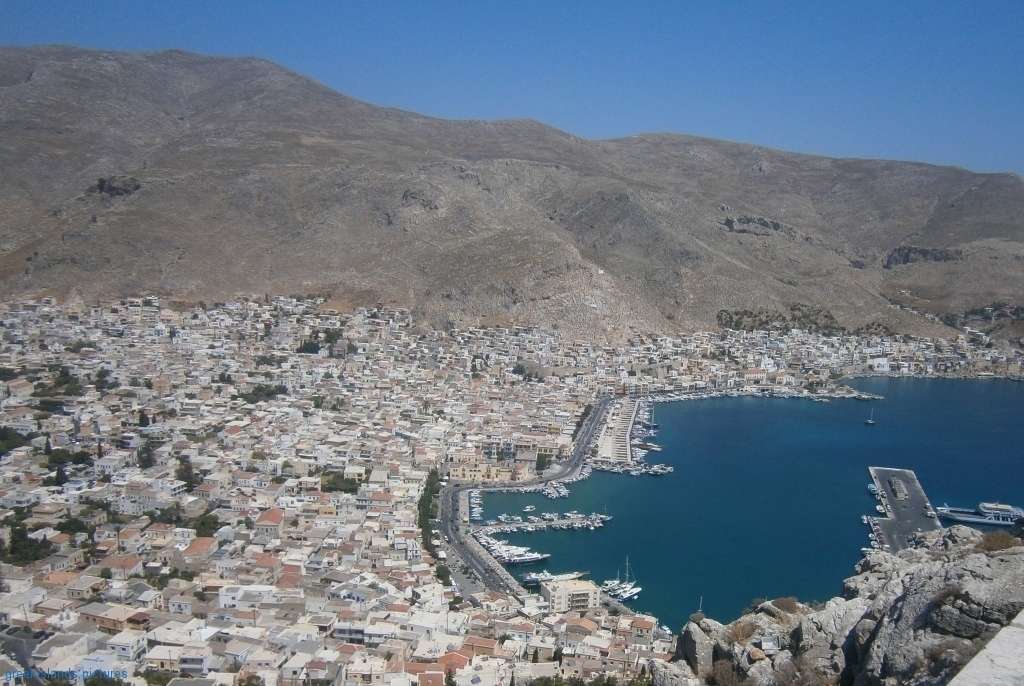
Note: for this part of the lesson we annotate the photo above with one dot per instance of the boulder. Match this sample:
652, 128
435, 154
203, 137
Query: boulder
823, 636
761, 674
671, 674
697, 649
711, 628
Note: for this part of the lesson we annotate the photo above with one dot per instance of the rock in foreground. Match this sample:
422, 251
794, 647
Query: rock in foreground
914, 618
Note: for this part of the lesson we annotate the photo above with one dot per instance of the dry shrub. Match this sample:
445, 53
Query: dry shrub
740, 631
754, 604
696, 617
789, 605
722, 674
998, 540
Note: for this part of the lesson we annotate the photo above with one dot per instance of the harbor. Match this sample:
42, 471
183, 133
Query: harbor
670, 526
903, 509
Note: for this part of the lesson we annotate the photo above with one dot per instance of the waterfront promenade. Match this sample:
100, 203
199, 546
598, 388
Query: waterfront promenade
454, 513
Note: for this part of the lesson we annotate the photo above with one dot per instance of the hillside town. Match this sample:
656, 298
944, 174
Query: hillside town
252, 488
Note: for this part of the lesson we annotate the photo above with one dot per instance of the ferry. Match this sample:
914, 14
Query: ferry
993, 514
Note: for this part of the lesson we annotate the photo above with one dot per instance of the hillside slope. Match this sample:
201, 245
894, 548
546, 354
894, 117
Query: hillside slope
225, 177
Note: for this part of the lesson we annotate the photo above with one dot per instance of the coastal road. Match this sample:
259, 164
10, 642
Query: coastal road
457, 538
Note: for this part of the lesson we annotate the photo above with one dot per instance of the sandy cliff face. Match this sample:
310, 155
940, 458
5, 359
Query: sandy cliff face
234, 176
912, 618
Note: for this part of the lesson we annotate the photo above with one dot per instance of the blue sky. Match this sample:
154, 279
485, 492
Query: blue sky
940, 82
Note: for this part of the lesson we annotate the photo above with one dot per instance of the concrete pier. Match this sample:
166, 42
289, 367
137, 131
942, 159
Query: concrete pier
905, 506
614, 443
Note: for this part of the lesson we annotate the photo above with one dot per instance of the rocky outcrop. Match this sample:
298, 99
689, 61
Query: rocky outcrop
912, 618
671, 674
823, 638
697, 649
907, 254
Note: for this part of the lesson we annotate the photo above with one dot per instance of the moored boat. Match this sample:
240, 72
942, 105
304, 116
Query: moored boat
993, 514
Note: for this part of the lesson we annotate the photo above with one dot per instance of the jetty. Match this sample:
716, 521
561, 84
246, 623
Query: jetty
905, 508
553, 520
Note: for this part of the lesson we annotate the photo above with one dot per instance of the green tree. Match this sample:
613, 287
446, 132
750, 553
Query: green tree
205, 525
71, 526
22, 550
536, 656
334, 482
427, 510
186, 473
146, 457
143, 418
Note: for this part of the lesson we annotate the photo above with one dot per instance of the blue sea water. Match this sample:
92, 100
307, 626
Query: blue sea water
767, 494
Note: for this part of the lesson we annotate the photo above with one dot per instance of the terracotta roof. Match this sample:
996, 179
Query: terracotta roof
273, 517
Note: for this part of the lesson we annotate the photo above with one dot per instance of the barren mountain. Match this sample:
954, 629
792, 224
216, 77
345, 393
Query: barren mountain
211, 177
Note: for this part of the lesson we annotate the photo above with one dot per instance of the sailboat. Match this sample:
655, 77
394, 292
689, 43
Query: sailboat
870, 421
627, 590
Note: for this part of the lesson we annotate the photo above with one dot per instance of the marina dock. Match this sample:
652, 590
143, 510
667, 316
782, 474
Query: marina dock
906, 507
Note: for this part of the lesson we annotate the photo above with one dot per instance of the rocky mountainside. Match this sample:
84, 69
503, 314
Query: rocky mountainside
913, 619
208, 178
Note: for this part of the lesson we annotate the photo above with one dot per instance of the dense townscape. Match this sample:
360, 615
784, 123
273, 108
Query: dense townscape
252, 488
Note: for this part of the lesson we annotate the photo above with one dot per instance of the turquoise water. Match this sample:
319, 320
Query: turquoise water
767, 494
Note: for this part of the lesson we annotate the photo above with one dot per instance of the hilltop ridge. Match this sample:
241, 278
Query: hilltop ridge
235, 176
